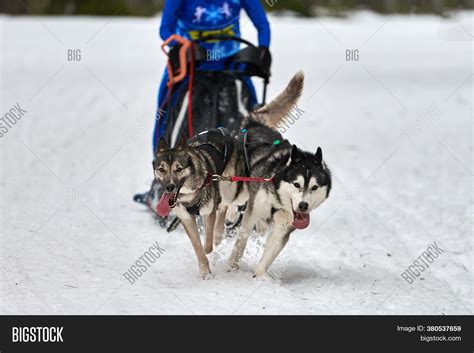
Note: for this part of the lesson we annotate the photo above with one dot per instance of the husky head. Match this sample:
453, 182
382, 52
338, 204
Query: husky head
171, 166
305, 184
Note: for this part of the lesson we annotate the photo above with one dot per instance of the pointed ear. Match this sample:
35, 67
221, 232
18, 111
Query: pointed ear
183, 141
162, 145
318, 156
295, 155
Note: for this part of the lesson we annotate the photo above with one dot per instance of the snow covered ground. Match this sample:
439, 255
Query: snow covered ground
395, 127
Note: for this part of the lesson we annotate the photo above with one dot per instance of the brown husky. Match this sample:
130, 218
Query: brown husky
185, 174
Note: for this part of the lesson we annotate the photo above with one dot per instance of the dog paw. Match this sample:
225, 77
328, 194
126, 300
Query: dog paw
205, 272
208, 249
259, 272
232, 267
206, 275
217, 240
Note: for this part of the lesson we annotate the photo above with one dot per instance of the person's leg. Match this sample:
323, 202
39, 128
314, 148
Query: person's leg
160, 123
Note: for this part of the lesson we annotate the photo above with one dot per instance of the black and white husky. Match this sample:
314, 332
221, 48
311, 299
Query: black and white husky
299, 181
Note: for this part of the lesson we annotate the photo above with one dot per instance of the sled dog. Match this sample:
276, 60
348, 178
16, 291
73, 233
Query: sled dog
296, 183
185, 174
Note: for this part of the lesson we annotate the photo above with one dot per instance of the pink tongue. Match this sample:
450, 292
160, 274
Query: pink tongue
301, 220
163, 207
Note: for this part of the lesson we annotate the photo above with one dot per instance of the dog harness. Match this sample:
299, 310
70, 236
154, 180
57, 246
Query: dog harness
220, 156
234, 179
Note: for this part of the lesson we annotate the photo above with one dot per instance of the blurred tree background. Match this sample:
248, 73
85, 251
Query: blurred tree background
307, 8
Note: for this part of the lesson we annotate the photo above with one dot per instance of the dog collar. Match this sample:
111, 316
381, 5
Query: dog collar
209, 179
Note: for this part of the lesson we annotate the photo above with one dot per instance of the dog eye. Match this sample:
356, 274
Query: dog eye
179, 170
297, 185
314, 188
161, 169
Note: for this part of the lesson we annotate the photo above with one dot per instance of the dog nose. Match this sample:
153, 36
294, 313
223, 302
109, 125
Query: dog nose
170, 188
303, 206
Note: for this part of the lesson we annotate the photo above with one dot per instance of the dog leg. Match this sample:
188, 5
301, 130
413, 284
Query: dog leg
219, 225
276, 241
243, 233
232, 213
209, 221
190, 226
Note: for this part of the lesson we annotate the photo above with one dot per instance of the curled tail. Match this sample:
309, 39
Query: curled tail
272, 113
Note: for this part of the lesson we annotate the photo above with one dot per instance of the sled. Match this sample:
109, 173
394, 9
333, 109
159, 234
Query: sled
199, 100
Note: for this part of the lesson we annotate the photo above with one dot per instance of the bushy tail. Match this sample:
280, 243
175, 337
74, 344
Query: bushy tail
272, 113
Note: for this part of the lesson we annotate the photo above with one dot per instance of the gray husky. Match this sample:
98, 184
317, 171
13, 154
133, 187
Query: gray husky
185, 174
296, 182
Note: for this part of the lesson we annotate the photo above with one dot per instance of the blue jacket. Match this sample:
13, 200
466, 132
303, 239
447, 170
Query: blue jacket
192, 18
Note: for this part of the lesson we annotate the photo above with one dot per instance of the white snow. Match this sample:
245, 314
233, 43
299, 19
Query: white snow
70, 166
